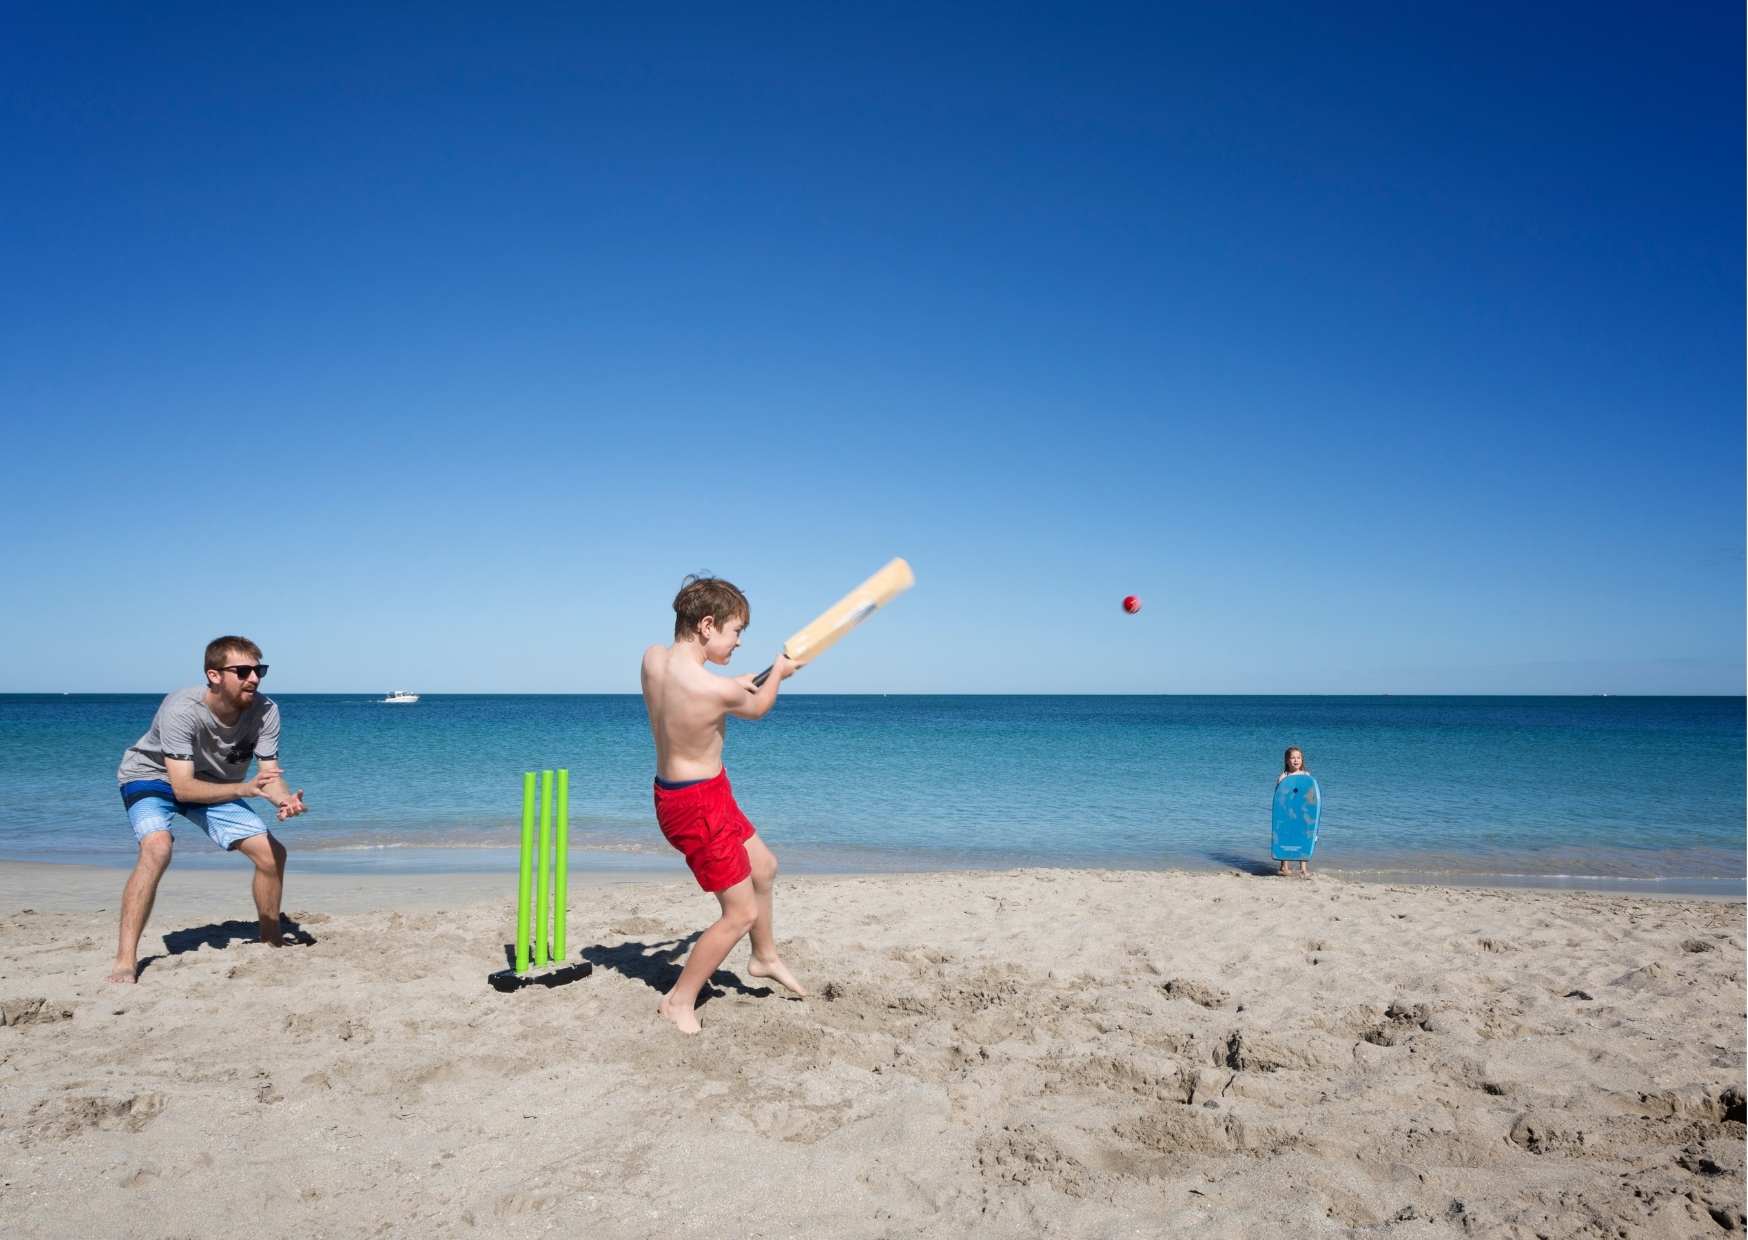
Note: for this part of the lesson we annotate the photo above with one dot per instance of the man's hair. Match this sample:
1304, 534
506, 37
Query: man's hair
219, 647
702, 596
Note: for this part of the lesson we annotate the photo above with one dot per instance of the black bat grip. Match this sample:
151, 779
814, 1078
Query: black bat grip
762, 677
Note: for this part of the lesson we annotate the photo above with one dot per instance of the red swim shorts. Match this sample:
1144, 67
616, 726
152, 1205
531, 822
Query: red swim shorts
704, 823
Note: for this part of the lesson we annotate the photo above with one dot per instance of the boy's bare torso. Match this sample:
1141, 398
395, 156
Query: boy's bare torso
688, 711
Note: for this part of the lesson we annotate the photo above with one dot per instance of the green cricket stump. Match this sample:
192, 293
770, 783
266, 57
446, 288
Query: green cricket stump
542, 891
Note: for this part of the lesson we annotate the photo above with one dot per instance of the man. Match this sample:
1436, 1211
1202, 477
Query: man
194, 761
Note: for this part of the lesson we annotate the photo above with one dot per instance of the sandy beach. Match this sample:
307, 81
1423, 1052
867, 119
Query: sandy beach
1039, 1052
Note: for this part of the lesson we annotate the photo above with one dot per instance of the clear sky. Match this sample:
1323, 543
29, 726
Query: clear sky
1376, 347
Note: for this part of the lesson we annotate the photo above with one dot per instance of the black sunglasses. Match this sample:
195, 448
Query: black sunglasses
241, 670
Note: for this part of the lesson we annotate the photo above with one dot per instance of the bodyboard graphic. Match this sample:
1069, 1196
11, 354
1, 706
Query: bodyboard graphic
1294, 823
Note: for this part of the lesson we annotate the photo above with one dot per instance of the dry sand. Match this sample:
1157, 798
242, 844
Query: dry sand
1066, 1053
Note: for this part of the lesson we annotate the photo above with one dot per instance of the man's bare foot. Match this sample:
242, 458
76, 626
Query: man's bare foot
126, 974
683, 1019
778, 972
271, 933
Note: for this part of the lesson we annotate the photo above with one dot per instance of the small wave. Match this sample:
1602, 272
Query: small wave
471, 845
1539, 876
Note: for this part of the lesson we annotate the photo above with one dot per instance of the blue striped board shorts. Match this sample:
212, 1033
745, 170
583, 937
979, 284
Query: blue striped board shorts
152, 803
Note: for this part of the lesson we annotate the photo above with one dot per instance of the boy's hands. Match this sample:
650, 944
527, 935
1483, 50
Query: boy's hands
760, 698
782, 667
292, 806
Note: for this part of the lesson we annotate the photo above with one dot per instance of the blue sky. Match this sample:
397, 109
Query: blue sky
1377, 349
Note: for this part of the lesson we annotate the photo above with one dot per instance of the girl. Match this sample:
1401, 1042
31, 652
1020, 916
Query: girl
1293, 763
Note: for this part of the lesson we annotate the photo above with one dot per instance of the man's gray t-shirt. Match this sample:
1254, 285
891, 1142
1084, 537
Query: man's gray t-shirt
184, 727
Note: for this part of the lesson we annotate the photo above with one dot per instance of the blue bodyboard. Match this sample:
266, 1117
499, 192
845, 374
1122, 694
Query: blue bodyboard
1294, 824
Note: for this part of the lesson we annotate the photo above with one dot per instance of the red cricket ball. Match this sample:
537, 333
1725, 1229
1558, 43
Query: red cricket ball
1131, 604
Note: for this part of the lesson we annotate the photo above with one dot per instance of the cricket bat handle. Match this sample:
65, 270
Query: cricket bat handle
762, 677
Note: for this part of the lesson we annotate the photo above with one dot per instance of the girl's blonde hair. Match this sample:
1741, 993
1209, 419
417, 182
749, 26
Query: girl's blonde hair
1286, 767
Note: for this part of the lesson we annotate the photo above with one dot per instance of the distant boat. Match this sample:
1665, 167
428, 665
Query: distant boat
403, 696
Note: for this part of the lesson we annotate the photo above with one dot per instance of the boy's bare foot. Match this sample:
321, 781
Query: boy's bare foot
778, 972
127, 974
683, 1019
1283, 871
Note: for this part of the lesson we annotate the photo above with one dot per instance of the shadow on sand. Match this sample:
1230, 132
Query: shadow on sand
1237, 861
222, 934
658, 965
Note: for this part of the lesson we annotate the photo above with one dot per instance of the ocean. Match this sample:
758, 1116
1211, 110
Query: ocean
1629, 792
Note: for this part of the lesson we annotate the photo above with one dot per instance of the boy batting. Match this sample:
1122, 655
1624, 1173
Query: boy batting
688, 711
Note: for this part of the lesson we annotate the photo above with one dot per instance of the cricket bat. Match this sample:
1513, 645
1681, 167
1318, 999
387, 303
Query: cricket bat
846, 614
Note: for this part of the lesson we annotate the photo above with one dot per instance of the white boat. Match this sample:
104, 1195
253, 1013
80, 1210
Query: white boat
402, 696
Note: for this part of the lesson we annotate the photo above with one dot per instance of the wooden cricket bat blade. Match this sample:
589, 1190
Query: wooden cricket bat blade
809, 643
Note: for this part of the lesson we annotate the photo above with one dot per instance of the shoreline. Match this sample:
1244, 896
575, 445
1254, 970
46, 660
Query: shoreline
490, 872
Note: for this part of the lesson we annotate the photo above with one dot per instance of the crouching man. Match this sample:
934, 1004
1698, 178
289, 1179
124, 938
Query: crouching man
194, 762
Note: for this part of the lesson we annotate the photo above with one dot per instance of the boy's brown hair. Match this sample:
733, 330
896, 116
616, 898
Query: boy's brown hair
702, 596
219, 647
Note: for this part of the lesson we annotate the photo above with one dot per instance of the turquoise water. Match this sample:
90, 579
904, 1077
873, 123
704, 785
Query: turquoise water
1552, 789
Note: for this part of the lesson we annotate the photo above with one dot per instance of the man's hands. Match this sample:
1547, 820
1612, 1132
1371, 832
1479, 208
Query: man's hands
270, 784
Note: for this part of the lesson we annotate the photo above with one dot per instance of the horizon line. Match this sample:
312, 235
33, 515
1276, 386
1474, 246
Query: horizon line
372, 693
